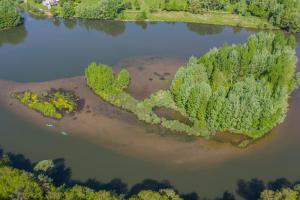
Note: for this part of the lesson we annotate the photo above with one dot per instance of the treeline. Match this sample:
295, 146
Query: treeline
37, 185
102, 9
9, 14
284, 14
281, 13
242, 88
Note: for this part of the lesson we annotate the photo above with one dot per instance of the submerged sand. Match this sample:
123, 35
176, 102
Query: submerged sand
120, 130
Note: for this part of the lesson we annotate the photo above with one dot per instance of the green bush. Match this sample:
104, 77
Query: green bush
141, 16
123, 79
54, 104
104, 9
68, 10
9, 15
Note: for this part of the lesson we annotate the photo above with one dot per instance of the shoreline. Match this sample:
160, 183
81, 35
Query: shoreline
120, 130
181, 17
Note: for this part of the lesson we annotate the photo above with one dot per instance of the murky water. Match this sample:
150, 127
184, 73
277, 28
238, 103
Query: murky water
47, 49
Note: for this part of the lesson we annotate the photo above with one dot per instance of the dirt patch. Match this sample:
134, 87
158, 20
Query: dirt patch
150, 74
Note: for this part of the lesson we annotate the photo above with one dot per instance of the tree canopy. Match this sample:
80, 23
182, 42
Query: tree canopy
242, 88
9, 15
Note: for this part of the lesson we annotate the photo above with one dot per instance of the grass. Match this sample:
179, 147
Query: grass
217, 18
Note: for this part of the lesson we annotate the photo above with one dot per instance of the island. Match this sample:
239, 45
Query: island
240, 90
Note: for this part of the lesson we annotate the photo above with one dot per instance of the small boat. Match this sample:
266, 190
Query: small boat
49, 125
64, 133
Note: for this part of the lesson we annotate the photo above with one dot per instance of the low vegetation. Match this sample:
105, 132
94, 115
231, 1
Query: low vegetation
243, 88
54, 104
9, 15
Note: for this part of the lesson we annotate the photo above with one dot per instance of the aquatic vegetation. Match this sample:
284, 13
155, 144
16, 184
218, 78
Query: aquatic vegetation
55, 103
9, 15
101, 79
241, 89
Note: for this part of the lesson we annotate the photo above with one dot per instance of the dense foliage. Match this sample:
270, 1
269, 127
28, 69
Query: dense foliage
241, 88
36, 185
103, 9
9, 15
68, 10
102, 80
282, 13
283, 194
55, 103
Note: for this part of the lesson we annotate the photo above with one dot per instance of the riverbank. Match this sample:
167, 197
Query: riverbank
213, 18
216, 18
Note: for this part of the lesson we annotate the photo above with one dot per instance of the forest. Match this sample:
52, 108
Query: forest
242, 88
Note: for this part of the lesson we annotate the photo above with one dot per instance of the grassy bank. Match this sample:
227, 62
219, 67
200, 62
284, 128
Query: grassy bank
144, 13
217, 18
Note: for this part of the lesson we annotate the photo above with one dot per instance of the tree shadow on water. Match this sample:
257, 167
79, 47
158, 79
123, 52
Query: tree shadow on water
61, 175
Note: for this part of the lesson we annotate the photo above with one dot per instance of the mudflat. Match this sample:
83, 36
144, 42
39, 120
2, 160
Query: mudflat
117, 129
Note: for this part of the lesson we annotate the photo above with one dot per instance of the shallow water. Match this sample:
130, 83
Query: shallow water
47, 49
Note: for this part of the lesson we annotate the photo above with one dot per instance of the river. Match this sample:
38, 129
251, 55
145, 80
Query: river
49, 49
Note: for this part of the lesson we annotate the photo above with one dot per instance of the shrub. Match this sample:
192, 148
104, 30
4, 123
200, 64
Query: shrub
104, 9
54, 103
123, 79
9, 15
68, 10
141, 16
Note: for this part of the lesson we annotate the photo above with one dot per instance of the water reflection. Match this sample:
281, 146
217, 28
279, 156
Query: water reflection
204, 29
111, 28
70, 23
13, 36
142, 24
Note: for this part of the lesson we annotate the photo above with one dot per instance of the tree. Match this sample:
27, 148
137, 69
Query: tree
123, 79
9, 15
68, 10
44, 166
